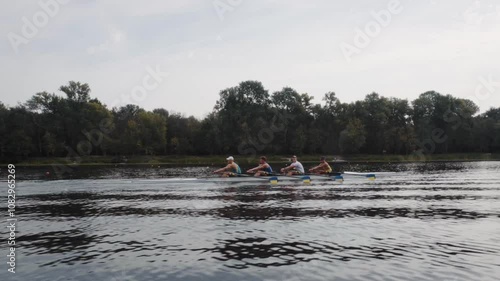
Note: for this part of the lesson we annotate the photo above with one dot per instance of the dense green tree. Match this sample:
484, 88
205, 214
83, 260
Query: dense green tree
152, 129
77, 92
49, 144
292, 113
207, 140
247, 120
486, 131
398, 135
4, 114
444, 121
353, 137
18, 141
243, 111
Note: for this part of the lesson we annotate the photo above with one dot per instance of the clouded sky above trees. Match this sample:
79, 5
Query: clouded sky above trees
204, 46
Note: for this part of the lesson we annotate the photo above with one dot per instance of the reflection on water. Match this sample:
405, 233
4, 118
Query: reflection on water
415, 222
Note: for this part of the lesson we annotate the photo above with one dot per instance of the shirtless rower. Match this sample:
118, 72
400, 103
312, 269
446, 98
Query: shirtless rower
322, 168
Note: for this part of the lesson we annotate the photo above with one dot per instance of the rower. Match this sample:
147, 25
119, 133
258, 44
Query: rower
295, 168
231, 170
322, 168
264, 169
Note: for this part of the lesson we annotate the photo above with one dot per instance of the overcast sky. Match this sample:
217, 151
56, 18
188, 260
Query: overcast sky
205, 46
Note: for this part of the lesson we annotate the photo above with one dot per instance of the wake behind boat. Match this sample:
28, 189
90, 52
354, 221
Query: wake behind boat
278, 179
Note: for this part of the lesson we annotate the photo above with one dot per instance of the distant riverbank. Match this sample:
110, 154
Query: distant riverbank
245, 159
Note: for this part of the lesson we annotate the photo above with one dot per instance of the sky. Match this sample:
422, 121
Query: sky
179, 55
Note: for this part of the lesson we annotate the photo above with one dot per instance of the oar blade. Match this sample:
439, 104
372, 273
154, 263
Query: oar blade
306, 179
273, 180
338, 178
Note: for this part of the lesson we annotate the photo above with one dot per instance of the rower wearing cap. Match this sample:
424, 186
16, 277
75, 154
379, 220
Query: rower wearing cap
295, 168
264, 169
231, 170
322, 168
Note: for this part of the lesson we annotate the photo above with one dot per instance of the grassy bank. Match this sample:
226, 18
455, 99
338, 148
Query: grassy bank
248, 160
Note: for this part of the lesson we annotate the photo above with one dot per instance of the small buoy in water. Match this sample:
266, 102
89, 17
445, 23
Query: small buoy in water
47, 173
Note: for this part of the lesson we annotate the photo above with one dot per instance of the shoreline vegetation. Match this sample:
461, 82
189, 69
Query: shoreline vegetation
246, 120
252, 160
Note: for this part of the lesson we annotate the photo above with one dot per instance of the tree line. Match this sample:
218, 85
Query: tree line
247, 119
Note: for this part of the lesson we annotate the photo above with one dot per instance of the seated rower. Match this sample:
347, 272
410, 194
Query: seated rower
295, 168
322, 168
264, 169
231, 170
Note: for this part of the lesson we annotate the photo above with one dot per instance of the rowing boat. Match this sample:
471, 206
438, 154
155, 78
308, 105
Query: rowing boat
370, 176
334, 177
274, 179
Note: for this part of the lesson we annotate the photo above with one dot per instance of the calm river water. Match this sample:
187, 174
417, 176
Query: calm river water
437, 221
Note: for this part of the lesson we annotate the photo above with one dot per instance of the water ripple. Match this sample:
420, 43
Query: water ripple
415, 222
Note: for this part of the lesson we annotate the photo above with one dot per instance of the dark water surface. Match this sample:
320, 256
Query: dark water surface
436, 221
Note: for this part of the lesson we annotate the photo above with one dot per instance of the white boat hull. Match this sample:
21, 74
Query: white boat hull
336, 178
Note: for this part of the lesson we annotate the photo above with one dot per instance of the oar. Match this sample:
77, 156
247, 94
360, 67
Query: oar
370, 176
326, 175
244, 175
307, 179
334, 176
274, 178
